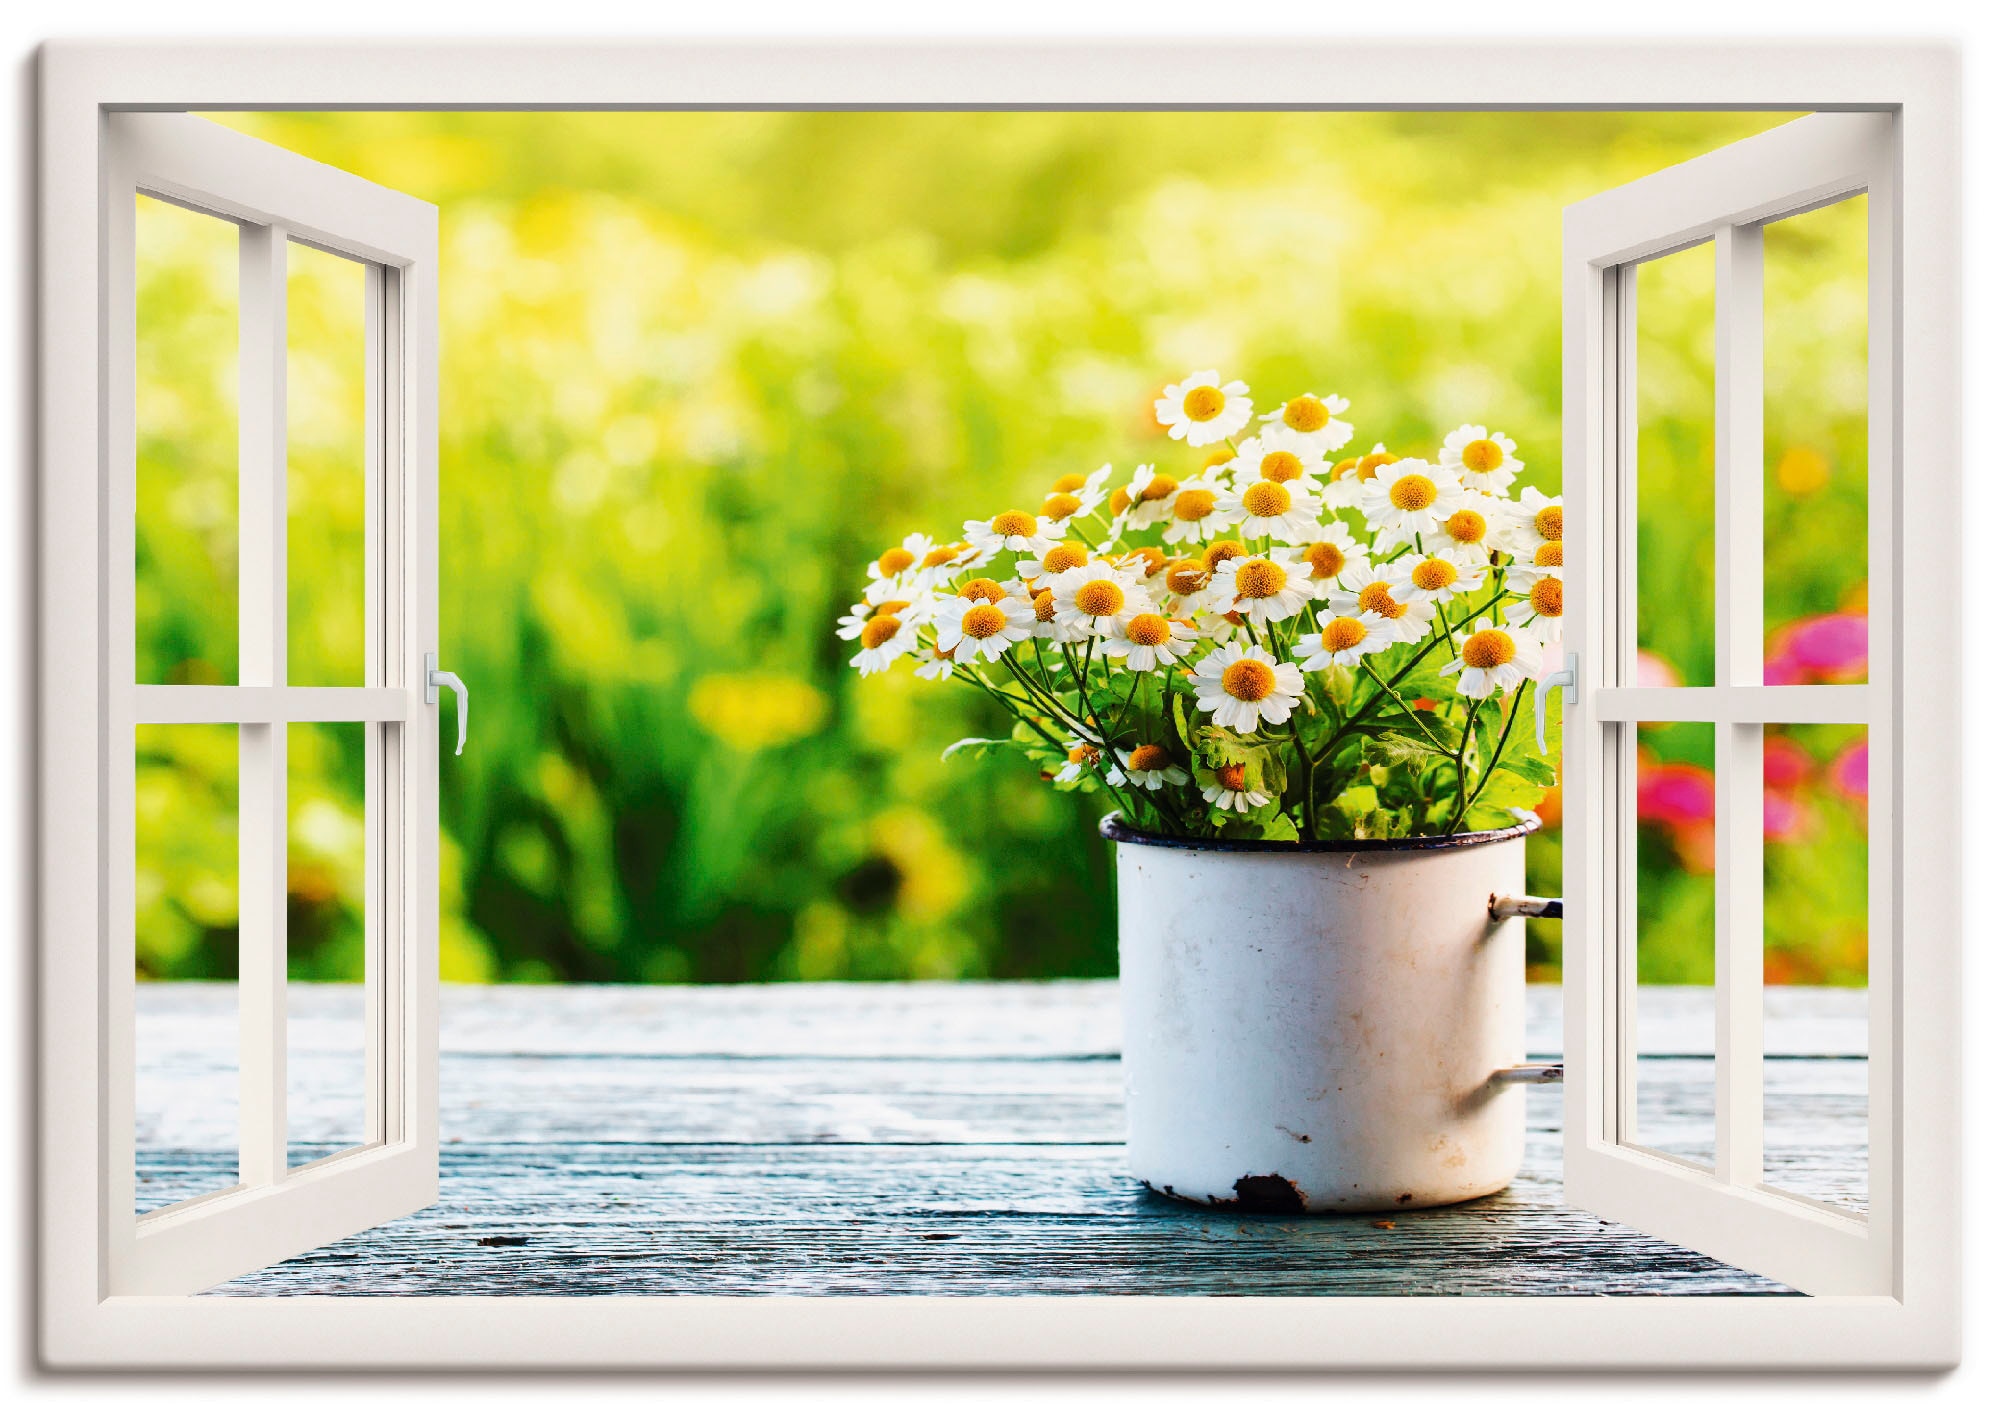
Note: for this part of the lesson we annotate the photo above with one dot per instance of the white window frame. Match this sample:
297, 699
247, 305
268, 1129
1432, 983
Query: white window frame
1916, 1324
1723, 199
272, 199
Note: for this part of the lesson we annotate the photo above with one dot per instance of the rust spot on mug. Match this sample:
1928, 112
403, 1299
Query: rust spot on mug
1287, 1130
1404, 1198
1269, 1193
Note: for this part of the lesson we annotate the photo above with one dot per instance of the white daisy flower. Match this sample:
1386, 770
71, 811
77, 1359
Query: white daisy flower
901, 559
1262, 590
1408, 498
1047, 627
1144, 640
1011, 531
1489, 658
1538, 519
1228, 793
1203, 409
1483, 460
1314, 421
1404, 621
1075, 496
858, 616
1545, 561
1344, 640
1268, 509
942, 563
1143, 501
984, 629
938, 667
1334, 559
1539, 616
1195, 510
1151, 767
1427, 579
1097, 598
1245, 686
1274, 456
1082, 762
1343, 490
1475, 529
1039, 572
883, 639
1185, 582
918, 608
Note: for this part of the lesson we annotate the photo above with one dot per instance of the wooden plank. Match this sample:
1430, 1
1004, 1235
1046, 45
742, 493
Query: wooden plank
958, 1220
937, 1021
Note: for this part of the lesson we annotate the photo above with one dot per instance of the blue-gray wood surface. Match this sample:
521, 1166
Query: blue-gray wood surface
915, 1138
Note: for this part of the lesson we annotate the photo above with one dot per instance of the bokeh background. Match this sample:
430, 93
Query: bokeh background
699, 368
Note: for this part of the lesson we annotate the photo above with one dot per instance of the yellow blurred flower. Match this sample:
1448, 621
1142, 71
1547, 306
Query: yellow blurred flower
756, 710
1802, 471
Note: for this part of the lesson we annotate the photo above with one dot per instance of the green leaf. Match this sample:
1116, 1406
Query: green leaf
1357, 802
978, 746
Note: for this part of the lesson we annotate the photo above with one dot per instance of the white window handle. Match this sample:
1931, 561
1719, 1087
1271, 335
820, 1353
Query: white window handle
1566, 677
433, 677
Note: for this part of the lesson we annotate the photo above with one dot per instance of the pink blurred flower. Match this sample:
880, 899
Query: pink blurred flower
1787, 763
1784, 818
1820, 648
1849, 771
1652, 671
1675, 793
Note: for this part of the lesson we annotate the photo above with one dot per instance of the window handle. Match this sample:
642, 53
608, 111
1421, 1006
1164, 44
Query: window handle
433, 677
1566, 677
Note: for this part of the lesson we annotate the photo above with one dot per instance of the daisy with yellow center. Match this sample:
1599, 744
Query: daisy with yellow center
1246, 686
942, 563
1097, 599
1473, 531
983, 630
1545, 561
1269, 509
898, 560
883, 638
1539, 616
1184, 579
1147, 498
1333, 559
1408, 498
1229, 793
1312, 421
937, 664
1196, 510
917, 608
1538, 519
1203, 409
1084, 759
1404, 621
1275, 456
1483, 459
1262, 590
1428, 579
1350, 476
1490, 657
1059, 559
1064, 505
1151, 767
1148, 639
1046, 627
1343, 640
1011, 531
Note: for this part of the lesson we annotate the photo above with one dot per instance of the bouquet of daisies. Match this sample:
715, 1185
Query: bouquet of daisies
1268, 643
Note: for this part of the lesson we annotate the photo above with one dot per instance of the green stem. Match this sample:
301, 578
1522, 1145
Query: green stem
1415, 718
1499, 749
1464, 739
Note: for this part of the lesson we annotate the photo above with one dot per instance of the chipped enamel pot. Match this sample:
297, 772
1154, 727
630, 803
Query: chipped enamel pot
1319, 1026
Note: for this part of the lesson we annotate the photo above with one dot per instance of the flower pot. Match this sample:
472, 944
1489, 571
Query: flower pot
1321, 1026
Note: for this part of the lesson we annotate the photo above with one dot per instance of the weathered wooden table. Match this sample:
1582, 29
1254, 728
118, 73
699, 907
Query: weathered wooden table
914, 1138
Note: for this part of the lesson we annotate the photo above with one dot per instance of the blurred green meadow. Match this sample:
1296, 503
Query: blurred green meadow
699, 368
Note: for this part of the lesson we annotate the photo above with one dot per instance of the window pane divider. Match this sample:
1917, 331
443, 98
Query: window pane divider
262, 828
270, 704
1739, 665
1737, 704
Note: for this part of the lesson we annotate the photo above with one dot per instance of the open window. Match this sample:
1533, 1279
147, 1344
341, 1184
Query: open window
1716, 1193
279, 1195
